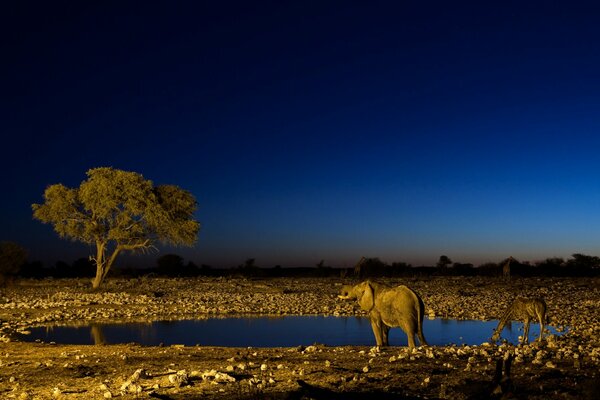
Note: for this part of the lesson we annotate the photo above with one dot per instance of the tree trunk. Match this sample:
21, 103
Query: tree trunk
98, 278
100, 266
103, 265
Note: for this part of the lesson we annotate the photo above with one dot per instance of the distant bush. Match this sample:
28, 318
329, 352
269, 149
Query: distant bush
34, 269
554, 266
12, 258
463, 269
583, 265
172, 265
370, 268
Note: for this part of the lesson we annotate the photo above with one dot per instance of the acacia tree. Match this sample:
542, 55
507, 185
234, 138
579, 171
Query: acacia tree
119, 211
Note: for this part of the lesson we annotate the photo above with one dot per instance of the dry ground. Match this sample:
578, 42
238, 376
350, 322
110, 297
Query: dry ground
565, 367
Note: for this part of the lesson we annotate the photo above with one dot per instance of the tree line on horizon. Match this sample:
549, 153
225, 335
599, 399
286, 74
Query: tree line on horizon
14, 265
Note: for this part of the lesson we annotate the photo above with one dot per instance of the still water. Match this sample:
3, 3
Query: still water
272, 332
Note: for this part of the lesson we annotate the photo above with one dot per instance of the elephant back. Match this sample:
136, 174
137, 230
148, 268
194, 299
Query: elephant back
410, 293
399, 306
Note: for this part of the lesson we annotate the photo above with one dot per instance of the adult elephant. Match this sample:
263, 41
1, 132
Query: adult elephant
389, 307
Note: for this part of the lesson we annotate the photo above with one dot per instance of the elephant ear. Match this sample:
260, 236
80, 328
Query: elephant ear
367, 299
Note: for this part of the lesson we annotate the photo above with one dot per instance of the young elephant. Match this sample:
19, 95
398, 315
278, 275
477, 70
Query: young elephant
389, 307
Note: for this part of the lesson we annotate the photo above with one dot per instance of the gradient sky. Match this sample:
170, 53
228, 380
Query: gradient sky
314, 130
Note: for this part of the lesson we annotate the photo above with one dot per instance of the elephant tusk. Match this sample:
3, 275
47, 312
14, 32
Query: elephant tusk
343, 297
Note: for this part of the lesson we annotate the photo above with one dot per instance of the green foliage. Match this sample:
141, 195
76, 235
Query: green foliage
12, 257
119, 211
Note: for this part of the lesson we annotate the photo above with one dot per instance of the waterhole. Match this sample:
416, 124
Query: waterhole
286, 331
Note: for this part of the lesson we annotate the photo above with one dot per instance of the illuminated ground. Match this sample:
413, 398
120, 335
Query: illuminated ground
561, 367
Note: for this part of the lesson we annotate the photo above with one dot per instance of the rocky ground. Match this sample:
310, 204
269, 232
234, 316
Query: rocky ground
563, 367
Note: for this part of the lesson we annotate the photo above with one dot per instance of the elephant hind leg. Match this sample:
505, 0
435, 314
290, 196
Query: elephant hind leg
411, 340
385, 330
411, 330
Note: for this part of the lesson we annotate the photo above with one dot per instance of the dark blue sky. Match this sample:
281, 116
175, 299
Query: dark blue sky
315, 130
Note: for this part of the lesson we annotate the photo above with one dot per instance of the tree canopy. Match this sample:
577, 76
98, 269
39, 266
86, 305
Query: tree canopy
119, 211
444, 261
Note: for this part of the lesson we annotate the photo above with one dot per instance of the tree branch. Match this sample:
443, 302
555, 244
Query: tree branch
142, 245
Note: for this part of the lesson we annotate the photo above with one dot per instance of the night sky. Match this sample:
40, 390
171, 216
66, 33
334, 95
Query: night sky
313, 130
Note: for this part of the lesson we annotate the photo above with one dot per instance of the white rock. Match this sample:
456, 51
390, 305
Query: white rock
125, 385
222, 377
140, 373
180, 378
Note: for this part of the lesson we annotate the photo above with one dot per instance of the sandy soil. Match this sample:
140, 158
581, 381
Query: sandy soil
563, 367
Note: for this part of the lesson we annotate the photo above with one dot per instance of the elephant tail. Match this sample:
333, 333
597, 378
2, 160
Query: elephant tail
420, 314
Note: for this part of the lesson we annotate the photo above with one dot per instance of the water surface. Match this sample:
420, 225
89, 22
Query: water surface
272, 332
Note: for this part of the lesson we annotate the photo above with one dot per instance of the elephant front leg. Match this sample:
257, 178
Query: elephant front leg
376, 324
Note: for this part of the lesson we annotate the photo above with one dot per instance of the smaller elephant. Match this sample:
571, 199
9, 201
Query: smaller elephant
389, 307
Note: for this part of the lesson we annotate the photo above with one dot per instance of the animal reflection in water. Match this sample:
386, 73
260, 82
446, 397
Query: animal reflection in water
389, 307
97, 334
523, 309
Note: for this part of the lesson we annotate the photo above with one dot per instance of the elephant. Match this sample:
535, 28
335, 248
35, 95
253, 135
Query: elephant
389, 307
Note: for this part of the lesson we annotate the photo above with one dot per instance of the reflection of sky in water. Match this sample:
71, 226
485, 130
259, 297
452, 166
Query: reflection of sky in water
274, 332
